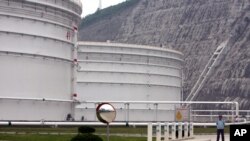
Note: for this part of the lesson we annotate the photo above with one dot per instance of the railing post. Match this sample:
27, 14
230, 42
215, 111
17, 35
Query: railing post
237, 108
173, 130
211, 116
127, 112
96, 105
158, 131
185, 129
179, 130
150, 131
247, 117
156, 111
233, 114
191, 129
166, 131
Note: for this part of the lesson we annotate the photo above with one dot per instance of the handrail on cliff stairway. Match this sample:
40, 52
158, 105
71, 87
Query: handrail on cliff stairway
207, 71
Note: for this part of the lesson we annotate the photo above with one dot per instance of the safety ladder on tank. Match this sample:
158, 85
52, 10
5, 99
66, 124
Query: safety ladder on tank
207, 71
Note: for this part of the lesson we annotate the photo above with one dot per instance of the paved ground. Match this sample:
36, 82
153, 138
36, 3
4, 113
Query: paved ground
208, 138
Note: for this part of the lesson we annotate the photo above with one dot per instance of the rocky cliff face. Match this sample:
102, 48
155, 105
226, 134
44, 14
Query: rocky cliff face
196, 28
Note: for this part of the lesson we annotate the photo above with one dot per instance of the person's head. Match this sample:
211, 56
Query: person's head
220, 117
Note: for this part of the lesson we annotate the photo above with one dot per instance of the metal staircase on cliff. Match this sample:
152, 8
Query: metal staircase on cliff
207, 71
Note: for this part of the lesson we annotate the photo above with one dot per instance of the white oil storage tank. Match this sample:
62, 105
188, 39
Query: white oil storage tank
109, 72
36, 52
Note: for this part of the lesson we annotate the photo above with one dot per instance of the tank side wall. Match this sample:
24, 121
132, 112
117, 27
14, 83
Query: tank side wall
36, 56
119, 73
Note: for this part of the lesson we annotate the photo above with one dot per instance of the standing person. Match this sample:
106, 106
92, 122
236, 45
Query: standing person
220, 128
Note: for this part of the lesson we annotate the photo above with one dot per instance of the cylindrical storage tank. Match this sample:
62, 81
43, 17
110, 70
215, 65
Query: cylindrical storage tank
125, 72
37, 44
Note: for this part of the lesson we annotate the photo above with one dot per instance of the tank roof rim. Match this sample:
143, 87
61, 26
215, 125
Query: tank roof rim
129, 46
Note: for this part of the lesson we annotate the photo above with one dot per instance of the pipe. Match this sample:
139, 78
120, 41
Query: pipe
163, 102
61, 123
172, 102
218, 110
74, 72
37, 99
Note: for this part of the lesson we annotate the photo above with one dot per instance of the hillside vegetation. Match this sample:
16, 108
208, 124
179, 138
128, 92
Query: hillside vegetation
107, 12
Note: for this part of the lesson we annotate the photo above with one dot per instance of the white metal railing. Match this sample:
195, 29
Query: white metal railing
170, 130
157, 107
211, 115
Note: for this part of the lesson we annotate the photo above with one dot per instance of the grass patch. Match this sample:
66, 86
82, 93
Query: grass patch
117, 138
30, 137
34, 130
113, 129
64, 133
208, 130
48, 133
101, 130
123, 130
